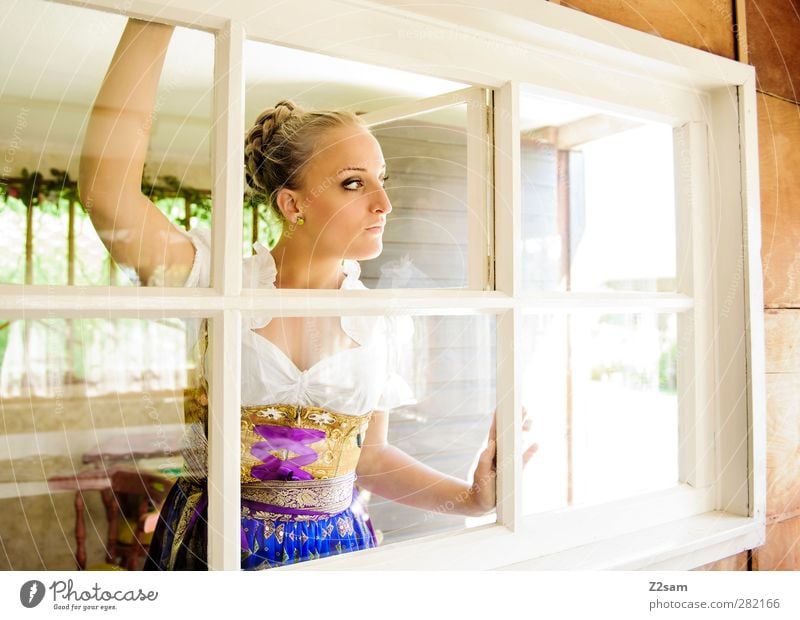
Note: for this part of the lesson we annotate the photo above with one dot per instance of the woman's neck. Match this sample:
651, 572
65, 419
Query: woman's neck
299, 267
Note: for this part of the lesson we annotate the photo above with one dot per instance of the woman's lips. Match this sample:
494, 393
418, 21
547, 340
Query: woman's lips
376, 229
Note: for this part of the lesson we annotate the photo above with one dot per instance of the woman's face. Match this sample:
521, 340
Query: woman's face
343, 199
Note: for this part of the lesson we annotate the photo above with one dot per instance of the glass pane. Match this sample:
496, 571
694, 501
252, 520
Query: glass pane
317, 396
128, 152
424, 242
598, 205
601, 391
93, 418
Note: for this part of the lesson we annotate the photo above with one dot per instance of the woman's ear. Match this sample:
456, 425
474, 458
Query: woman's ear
287, 202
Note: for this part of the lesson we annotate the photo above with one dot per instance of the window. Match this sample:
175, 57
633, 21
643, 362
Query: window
680, 336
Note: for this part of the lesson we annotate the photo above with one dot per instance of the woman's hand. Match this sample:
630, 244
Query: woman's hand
482, 491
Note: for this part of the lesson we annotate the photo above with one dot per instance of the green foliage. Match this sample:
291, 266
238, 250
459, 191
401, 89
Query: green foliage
5, 329
50, 197
53, 195
667, 381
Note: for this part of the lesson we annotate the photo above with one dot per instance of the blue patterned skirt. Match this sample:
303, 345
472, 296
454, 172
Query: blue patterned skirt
181, 536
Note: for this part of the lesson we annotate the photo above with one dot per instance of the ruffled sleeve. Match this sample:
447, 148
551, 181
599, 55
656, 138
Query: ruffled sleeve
259, 271
199, 277
200, 274
397, 392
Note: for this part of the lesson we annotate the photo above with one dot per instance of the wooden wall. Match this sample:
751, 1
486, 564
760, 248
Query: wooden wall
766, 34
773, 43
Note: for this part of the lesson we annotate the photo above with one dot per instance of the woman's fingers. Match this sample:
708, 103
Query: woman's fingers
529, 453
527, 425
490, 453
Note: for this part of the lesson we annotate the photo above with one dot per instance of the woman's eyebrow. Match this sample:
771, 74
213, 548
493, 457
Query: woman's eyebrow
358, 169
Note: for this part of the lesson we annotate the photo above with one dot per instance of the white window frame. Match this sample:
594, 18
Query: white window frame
719, 509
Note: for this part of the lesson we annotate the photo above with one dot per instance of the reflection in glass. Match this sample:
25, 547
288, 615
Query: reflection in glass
602, 393
425, 243
52, 233
93, 426
598, 208
451, 369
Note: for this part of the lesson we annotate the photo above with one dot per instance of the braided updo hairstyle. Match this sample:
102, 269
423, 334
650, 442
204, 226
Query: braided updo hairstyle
281, 142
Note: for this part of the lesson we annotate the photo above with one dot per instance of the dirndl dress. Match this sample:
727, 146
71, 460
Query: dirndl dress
299, 499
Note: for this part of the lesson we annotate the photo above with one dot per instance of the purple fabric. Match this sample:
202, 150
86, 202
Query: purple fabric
201, 506
284, 438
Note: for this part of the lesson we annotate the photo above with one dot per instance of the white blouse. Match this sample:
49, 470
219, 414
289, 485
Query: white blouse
353, 381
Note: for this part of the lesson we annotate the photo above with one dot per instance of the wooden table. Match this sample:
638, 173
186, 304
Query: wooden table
112, 483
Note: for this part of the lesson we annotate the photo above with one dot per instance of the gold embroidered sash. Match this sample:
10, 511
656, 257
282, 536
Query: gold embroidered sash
335, 438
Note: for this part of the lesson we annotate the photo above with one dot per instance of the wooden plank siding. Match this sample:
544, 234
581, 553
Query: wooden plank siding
706, 26
778, 138
426, 234
773, 46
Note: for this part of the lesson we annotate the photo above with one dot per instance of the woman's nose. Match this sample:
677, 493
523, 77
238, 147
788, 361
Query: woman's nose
381, 201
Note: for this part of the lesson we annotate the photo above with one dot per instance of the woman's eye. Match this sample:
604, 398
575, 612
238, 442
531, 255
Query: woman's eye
354, 184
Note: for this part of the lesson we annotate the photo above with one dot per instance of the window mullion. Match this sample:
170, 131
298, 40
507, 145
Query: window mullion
224, 489
479, 128
225, 338
508, 220
228, 153
507, 183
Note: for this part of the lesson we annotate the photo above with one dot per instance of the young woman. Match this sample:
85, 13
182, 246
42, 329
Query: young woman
316, 391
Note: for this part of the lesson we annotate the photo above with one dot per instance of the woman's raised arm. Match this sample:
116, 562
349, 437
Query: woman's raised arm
134, 230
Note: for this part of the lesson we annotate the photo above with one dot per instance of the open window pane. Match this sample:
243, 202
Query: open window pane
47, 235
307, 417
602, 392
598, 205
93, 416
426, 244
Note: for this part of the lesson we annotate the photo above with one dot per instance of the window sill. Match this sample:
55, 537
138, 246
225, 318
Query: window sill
678, 545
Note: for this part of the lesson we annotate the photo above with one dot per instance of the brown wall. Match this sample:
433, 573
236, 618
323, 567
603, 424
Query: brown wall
773, 45
766, 34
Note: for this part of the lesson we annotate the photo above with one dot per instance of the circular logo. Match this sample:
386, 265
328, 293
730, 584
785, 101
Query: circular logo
31, 593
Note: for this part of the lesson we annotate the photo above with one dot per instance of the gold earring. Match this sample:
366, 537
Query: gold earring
300, 220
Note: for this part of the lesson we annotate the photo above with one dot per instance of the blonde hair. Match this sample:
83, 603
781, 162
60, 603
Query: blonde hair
281, 142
